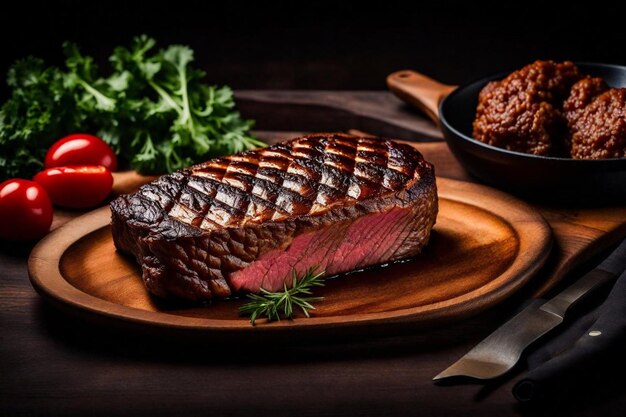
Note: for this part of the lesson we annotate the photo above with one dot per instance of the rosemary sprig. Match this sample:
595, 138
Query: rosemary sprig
272, 304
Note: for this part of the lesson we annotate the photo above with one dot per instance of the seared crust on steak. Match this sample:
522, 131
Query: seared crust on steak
196, 229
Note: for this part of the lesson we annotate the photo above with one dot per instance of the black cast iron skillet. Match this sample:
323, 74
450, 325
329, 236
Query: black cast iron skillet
555, 180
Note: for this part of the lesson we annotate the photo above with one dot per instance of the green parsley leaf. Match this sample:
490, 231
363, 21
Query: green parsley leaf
154, 109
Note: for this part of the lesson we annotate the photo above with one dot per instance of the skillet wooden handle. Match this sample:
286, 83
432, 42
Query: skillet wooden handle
419, 90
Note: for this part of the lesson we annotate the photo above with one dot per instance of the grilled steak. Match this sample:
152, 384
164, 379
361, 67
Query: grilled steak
246, 221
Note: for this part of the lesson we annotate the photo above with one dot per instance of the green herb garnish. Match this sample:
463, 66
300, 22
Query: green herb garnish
272, 304
154, 109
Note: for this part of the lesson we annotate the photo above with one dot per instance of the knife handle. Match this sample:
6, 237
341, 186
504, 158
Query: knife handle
607, 271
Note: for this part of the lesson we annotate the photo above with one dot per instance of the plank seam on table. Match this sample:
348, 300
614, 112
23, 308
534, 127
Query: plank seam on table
370, 107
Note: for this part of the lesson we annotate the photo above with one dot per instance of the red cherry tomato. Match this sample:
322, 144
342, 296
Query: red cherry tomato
80, 149
25, 210
76, 186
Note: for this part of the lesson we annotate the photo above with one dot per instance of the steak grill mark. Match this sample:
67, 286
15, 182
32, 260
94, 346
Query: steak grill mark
196, 229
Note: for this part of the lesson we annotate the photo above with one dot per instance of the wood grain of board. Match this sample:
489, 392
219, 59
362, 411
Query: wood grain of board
580, 233
484, 247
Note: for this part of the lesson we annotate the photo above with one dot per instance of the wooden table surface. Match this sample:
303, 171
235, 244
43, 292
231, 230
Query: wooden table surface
53, 364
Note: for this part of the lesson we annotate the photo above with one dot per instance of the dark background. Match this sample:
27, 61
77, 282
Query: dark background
295, 45
326, 45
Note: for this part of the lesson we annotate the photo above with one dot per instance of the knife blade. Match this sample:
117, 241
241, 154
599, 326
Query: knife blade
501, 350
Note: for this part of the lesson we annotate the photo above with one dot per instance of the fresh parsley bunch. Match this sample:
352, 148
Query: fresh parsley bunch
153, 109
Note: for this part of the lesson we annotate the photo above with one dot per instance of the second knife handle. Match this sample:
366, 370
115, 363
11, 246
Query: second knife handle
608, 270
575, 292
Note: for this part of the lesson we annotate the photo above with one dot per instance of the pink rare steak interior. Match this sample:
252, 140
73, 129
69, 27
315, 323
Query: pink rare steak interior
245, 222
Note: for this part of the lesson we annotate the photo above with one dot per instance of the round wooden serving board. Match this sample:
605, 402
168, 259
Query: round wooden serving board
485, 246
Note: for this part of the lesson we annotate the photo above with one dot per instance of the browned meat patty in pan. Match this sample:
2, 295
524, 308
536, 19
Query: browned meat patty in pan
522, 112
